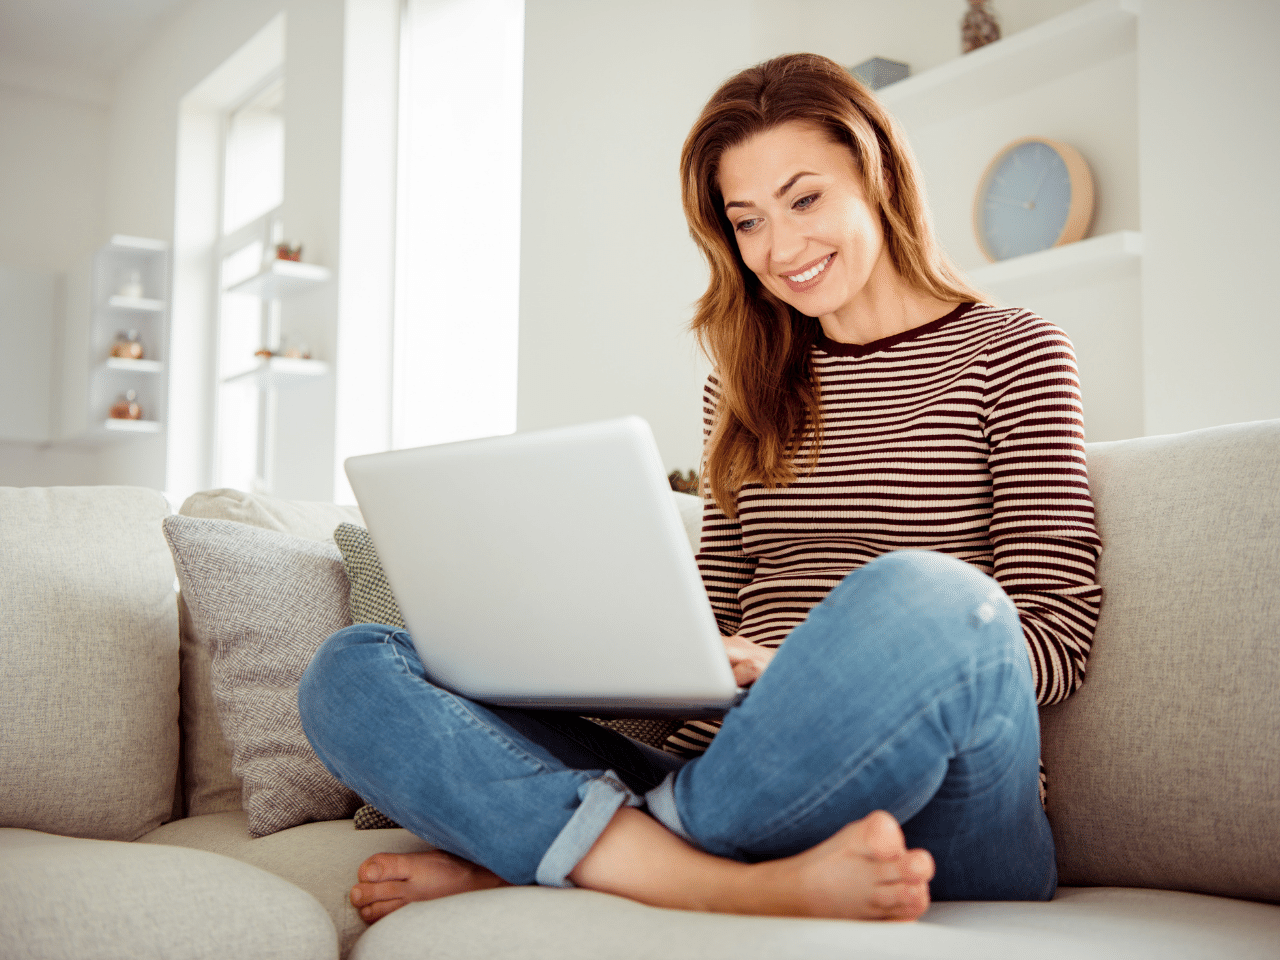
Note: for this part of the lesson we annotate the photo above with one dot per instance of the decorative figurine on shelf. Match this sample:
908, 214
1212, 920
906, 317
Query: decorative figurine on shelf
978, 28
285, 251
126, 408
266, 353
127, 346
684, 484
132, 286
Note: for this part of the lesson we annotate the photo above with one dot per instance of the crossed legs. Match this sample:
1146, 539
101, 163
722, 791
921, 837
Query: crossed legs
909, 683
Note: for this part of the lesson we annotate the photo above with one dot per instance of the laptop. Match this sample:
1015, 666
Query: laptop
548, 569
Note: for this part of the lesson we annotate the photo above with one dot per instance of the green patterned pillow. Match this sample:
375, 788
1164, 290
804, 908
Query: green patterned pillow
371, 598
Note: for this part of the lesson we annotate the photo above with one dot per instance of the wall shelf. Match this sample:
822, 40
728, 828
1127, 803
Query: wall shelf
132, 366
1067, 44
121, 302
281, 372
112, 426
1086, 261
96, 315
282, 278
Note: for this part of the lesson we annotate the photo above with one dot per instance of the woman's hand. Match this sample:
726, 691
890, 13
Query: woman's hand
747, 659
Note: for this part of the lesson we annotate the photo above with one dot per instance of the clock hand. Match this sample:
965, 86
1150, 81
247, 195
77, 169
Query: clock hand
1009, 202
1035, 194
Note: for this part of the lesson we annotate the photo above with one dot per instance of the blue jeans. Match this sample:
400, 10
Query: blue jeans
908, 689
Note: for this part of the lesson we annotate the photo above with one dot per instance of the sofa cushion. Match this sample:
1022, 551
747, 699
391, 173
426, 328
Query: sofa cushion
88, 662
68, 899
209, 786
321, 858
1164, 767
531, 923
263, 602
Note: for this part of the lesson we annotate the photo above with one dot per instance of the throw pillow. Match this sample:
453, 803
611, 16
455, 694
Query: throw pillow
263, 602
371, 598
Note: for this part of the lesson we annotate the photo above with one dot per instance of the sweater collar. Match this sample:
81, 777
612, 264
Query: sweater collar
838, 349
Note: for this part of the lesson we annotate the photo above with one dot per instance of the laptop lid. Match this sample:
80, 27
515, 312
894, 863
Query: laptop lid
548, 569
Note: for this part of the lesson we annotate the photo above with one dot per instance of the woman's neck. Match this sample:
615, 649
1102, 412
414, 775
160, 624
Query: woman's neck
885, 307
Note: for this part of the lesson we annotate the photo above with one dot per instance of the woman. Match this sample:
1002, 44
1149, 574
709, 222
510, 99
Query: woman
880, 446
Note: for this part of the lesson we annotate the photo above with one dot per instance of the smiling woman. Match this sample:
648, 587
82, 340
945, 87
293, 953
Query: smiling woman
898, 546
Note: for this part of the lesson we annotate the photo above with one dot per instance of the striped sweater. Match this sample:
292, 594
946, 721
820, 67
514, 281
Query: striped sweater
963, 436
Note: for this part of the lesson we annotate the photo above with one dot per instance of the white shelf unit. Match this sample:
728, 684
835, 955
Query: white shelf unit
276, 281
283, 278
1071, 78
1067, 44
98, 309
1086, 262
281, 372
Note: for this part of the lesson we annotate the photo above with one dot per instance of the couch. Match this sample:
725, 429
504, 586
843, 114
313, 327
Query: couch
126, 830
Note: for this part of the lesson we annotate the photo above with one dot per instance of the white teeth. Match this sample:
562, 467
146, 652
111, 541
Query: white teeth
812, 271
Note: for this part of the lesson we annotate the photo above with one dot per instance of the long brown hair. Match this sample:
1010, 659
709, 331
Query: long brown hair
760, 346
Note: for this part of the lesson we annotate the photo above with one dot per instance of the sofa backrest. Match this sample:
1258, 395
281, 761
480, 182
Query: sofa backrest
88, 662
1164, 769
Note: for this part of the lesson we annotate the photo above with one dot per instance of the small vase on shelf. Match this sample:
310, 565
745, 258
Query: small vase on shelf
132, 286
978, 28
127, 408
127, 346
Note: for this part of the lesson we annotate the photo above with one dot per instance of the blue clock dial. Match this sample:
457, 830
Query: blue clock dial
1025, 202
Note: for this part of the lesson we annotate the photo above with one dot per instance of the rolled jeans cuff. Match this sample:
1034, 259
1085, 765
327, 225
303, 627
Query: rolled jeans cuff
599, 801
661, 801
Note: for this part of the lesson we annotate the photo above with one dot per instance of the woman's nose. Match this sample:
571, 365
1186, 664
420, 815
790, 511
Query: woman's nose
787, 244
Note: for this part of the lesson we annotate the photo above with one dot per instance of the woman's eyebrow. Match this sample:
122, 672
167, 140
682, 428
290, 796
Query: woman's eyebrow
777, 193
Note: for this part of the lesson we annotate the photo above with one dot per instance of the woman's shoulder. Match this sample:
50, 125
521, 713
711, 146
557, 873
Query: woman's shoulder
1015, 329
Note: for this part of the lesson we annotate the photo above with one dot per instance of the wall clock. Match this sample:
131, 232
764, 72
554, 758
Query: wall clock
1034, 195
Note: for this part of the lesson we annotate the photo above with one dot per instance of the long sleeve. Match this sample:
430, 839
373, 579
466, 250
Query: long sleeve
725, 568
1044, 540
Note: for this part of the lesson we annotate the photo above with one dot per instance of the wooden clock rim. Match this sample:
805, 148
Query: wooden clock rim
1079, 213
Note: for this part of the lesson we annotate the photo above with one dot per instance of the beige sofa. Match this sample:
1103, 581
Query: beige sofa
123, 833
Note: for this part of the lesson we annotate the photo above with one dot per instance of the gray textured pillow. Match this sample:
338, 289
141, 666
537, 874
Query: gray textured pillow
263, 601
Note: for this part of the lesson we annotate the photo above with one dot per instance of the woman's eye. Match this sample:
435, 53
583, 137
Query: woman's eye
743, 226
804, 202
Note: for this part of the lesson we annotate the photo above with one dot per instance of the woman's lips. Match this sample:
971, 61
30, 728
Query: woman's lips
810, 276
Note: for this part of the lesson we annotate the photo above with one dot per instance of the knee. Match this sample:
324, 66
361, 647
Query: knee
326, 683
933, 595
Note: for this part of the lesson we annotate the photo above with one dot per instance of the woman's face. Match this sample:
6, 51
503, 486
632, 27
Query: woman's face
802, 221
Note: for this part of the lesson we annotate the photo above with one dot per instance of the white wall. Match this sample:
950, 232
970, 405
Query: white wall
53, 148
609, 276
1209, 135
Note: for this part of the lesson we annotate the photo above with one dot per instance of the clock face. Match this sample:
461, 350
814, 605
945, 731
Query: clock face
1025, 201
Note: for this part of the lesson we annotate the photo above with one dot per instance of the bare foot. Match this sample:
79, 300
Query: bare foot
390, 880
863, 872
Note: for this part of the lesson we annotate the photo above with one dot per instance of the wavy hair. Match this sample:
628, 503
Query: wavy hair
760, 346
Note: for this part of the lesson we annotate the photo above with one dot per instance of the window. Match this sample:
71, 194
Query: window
252, 191
458, 221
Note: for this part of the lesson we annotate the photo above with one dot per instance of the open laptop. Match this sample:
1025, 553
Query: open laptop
548, 569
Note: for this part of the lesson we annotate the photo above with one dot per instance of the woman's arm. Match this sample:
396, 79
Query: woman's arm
1044, 539
725, 568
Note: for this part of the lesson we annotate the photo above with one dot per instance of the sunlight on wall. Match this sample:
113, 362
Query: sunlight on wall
458, 221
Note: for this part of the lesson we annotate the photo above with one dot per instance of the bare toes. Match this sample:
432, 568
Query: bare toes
881, 836
376, 911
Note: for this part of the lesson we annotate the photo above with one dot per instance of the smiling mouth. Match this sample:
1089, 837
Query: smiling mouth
812, 272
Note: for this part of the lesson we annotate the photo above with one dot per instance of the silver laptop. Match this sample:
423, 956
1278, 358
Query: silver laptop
548, 569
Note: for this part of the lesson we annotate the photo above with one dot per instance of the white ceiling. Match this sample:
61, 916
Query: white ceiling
83, 39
